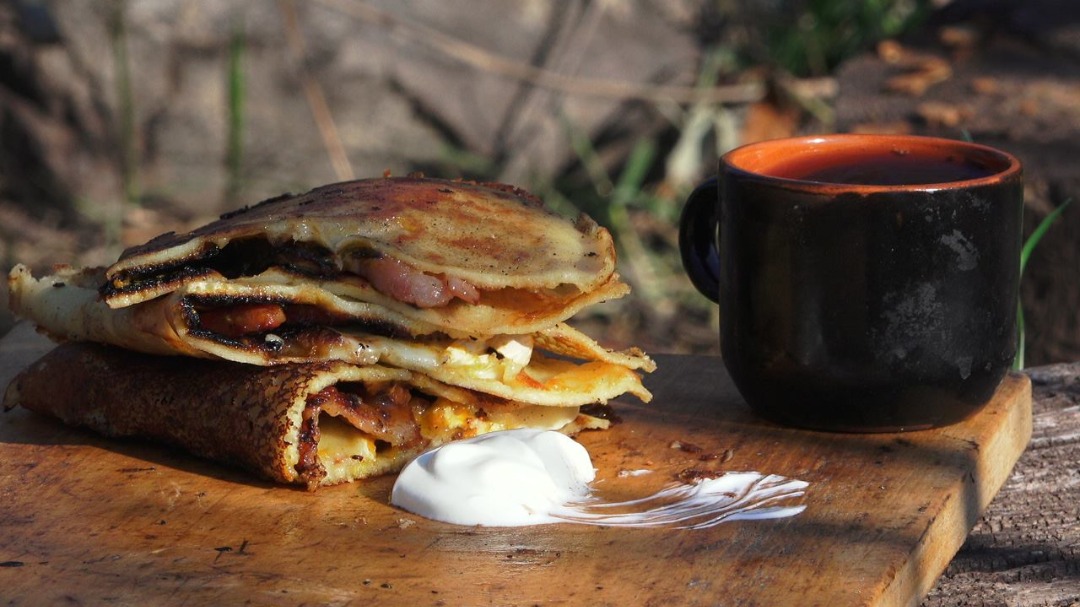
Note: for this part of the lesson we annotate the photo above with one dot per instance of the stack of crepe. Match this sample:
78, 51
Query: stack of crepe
335, 335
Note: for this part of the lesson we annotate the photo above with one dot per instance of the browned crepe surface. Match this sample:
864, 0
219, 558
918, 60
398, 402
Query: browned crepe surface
251, 416
224, 412
493, 236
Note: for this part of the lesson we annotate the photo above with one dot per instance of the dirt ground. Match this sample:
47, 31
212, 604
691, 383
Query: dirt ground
72, 145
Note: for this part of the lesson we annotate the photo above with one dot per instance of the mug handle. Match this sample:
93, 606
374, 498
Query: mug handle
699, 232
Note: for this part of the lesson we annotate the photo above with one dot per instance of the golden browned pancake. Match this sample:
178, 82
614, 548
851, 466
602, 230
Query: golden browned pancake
555, 366
461, 256
308, 424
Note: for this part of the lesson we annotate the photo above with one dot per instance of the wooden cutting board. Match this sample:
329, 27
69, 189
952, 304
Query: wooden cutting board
85, 520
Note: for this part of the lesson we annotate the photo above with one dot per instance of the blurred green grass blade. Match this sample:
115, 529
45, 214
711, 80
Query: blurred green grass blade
1021, 347
237, 93
1025, 254
632, 179
125, 99
590, 159
1039, 232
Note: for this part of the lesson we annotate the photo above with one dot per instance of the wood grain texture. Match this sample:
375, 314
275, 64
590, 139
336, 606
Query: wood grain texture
87, 520
1025, 549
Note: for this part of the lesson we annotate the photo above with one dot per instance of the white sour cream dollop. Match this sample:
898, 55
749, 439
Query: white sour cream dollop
532, 477
501, 479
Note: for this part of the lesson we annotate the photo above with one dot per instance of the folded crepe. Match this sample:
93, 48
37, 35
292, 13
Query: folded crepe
464, 257
335, 335
467, 283
312, 424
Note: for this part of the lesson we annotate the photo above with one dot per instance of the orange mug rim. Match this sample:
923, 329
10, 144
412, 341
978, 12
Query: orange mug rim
743, 158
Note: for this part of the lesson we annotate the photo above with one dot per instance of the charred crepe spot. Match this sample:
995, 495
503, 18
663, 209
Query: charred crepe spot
241, 257
155, 276
307, 464
599, 411
377, 326
307, 258
160, 279
237, 212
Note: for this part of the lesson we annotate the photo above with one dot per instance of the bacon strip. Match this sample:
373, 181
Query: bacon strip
242, 319
238, 320
385, 415
463, 290
409, 285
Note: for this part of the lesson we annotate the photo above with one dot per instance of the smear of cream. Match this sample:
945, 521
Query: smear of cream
733, 496
533, 477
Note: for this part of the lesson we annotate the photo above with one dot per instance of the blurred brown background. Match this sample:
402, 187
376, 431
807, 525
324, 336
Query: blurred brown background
123, 119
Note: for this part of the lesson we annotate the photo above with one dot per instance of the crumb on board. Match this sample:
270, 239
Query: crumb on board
703, 455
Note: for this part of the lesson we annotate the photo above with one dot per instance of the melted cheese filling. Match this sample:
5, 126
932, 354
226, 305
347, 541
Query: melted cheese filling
347, 453
499, 358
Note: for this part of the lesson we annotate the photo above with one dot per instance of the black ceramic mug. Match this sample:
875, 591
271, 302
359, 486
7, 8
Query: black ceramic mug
866, 283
